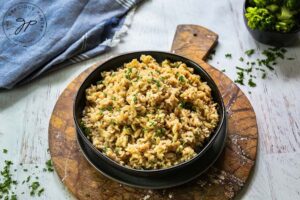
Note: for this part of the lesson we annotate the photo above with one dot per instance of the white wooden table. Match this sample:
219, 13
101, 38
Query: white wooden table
25, 112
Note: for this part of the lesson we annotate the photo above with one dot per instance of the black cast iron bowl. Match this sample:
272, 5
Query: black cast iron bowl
160, 178
273, 38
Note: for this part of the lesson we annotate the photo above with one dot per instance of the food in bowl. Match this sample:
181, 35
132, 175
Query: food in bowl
149, 115
273, 15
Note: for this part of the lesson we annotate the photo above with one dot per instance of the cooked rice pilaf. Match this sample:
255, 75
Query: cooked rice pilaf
149, 115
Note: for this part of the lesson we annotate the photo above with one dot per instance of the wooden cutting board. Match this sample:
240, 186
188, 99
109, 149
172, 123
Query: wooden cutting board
222, 181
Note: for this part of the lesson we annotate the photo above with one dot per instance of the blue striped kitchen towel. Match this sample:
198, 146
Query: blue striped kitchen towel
40, 36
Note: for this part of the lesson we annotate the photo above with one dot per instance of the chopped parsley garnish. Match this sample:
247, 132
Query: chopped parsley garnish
228, 55
248, 70
6, 181
160, 132
134, 98
49, 166
156, 82
181, 79
251, 83
280, 55
250, 52
35, 188
240, 78
162, 78
8, 185
187, 105
137, 78
270, 56
107, 108
152, 123
40, 191
85, 130
239, 68
128, 73
266, 62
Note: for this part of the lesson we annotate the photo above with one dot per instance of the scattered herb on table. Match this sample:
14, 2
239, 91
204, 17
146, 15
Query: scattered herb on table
228, 55
250, 52
239, 68
28, 179
248, 70
7, 192
267, 61
36, 189
240, 79
4, 151
41, 191
7, 182
251, 83
49, 166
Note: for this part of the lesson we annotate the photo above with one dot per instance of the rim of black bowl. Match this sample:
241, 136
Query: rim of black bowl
296, 30
202, 151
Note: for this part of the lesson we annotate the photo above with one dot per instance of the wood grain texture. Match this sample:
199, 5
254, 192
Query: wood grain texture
194, 41
223, 181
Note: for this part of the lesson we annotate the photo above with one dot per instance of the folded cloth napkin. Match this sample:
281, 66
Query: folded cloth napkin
40, 36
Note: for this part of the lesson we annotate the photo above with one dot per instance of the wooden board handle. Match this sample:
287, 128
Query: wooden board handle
193, 41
